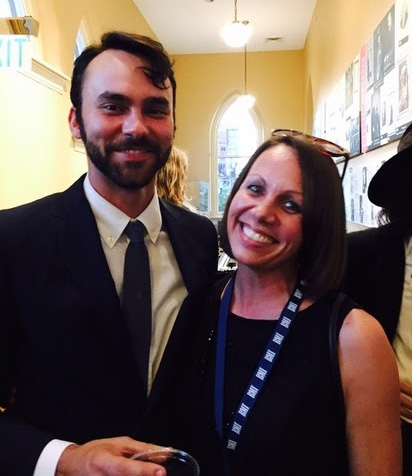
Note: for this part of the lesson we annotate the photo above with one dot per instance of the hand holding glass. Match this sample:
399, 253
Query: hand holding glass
176, 462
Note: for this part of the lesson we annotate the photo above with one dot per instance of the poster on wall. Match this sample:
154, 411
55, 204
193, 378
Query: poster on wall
358, 208
385, 85
352, 139
342, 111
335, 114
318, 128
371, 105
404, 54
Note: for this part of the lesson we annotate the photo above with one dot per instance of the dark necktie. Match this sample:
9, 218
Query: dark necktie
137, 307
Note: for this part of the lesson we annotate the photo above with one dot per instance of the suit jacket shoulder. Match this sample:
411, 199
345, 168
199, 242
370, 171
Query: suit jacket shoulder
25, 219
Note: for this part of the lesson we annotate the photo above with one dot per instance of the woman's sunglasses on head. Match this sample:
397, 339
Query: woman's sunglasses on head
329, 148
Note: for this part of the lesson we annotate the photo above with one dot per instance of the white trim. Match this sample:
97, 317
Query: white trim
84, 33
47, 75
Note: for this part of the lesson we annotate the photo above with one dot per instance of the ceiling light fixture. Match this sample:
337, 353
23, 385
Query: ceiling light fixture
237, 33
245, 100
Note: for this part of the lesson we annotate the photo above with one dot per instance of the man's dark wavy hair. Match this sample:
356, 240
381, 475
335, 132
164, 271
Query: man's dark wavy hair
160, 64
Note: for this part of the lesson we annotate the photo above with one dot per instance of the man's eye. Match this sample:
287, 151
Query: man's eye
157, 112
114, 108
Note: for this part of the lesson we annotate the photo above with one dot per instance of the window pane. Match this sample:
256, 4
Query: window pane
237, 139
80, 43
11, 8
5, 9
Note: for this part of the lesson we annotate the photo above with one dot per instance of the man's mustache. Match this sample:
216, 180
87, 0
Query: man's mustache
131, 143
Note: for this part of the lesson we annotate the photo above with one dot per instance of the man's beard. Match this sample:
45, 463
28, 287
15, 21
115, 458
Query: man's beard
126, 175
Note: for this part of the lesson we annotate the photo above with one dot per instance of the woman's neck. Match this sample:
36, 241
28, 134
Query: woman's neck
261, 295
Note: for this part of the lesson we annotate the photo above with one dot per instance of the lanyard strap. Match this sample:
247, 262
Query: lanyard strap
263, 368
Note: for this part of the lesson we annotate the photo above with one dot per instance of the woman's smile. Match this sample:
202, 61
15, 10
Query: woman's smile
255, 236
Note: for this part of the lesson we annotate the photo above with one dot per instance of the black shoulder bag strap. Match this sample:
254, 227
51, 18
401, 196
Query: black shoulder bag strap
333, 350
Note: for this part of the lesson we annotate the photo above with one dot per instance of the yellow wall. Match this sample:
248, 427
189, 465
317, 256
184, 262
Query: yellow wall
60, 19
37, 155
36, 152
206, 81
337, 33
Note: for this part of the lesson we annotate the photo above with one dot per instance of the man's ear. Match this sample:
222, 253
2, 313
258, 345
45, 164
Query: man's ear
74, 125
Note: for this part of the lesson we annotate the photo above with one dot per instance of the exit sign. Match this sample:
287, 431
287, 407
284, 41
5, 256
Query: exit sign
15, 52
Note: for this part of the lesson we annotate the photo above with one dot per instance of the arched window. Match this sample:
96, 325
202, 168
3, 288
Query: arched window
12, 8
236, 133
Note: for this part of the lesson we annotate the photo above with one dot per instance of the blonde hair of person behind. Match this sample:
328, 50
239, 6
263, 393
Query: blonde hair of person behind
171, 178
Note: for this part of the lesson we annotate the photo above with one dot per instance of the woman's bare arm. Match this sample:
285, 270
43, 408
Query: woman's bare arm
371, 389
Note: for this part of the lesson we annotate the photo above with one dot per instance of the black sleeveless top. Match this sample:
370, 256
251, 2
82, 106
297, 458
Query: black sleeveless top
297, 426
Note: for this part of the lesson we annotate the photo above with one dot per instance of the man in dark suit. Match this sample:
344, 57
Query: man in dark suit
380, 270
74, 399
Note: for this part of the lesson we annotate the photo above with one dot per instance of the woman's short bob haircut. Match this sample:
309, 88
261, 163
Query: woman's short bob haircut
322, 260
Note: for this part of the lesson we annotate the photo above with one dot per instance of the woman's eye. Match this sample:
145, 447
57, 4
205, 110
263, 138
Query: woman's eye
255, 188
292, 207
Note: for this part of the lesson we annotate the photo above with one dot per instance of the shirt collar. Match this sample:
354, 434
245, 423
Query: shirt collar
111, 221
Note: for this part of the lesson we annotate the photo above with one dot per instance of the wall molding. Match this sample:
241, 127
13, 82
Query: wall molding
47, 75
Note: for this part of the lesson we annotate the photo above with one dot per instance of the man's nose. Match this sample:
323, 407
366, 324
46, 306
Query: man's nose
134, 124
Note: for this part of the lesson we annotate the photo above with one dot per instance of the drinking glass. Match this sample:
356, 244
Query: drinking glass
176, 462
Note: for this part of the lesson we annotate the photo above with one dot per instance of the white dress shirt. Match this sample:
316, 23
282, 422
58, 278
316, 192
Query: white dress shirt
167, 286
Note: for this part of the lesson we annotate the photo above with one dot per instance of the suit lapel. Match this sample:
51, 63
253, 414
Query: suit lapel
184, 247
81, 245
174, 354
185, 251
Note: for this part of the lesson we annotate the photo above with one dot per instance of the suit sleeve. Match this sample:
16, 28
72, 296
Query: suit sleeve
20, 443
213, 248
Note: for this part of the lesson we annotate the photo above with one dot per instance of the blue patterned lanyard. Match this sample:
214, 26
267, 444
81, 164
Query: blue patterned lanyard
263, 369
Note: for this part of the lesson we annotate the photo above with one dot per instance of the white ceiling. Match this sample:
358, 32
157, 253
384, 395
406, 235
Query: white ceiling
193, 26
